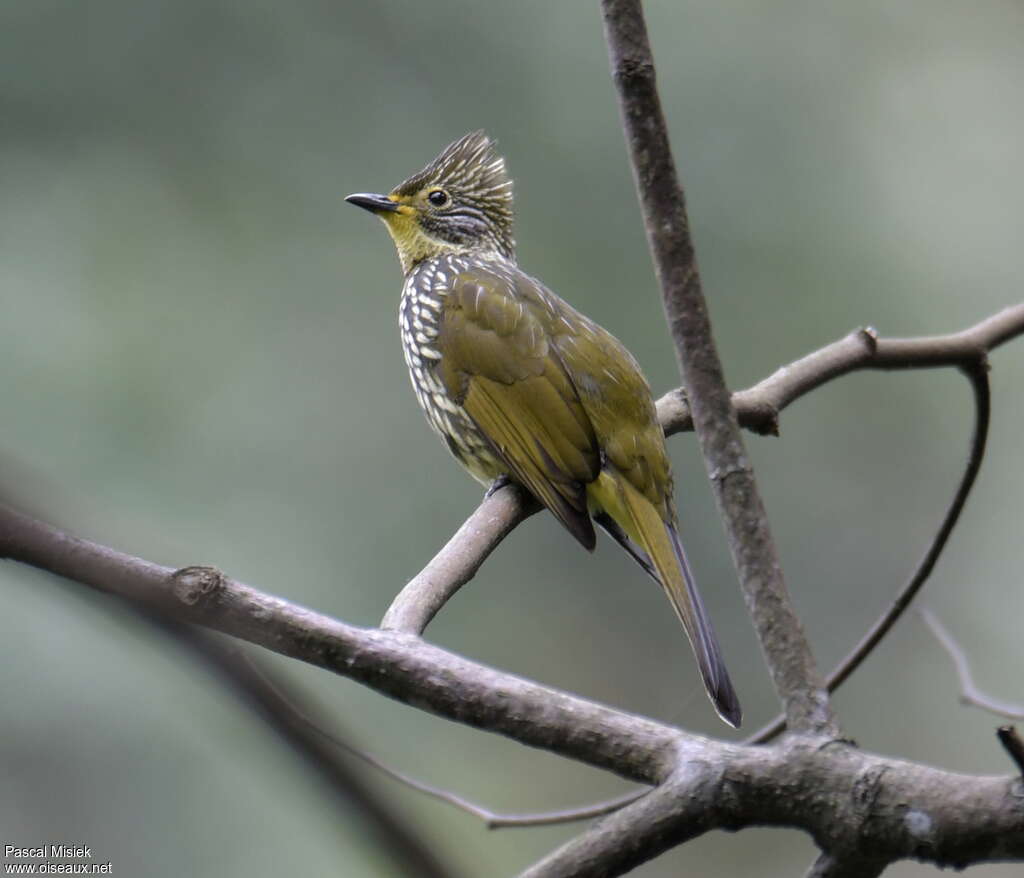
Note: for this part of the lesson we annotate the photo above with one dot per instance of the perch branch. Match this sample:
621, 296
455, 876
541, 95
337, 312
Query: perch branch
457, 563
399, 665
830, 791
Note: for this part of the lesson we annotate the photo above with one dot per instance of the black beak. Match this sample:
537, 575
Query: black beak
372, 203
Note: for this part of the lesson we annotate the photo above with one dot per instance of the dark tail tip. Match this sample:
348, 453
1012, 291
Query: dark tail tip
716, 679
705, 644
726, 702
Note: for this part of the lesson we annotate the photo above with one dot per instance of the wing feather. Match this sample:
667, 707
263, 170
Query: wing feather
498, 364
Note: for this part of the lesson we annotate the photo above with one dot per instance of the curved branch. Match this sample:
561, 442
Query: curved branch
977, 374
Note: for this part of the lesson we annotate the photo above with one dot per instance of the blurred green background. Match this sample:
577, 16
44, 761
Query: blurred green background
200, 364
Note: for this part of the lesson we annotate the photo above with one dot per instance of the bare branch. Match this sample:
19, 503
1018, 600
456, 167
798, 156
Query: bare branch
567, 815
662, 819
969, 692
829, 791
396, 664
782, 638
758, 407
458, 562
977, 373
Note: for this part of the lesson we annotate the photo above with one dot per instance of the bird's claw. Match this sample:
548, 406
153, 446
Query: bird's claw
497, 485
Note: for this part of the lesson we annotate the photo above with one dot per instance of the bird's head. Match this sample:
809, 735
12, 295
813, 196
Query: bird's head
460, 202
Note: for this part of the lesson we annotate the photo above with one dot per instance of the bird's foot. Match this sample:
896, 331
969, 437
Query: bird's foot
497, 485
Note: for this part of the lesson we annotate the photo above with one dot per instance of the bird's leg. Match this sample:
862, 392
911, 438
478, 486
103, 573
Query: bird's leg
497, 485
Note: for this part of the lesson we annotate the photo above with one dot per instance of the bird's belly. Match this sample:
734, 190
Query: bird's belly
449, 420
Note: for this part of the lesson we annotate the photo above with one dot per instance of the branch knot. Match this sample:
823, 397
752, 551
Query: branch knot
190, 584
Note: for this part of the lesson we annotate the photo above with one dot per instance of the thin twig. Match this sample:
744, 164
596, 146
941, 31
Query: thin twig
1013, 745
969, 692
638, 832
782, 638
977, 374
492, 819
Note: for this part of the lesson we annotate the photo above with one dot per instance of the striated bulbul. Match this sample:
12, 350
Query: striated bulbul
522, 386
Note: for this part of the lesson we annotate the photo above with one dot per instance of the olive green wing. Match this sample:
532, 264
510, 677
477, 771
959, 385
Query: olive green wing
618, 402
498, 363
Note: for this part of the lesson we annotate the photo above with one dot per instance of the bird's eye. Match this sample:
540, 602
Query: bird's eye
438, 197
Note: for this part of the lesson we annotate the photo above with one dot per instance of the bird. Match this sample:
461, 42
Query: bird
522, 387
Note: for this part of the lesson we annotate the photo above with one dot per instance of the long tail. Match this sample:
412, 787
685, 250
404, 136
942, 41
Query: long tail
654, 543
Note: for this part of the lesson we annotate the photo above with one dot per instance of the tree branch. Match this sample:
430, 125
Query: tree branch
977, 373
457, 563
783, 642
667, 816
393, 663
758, 407
834, 792
969, 692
